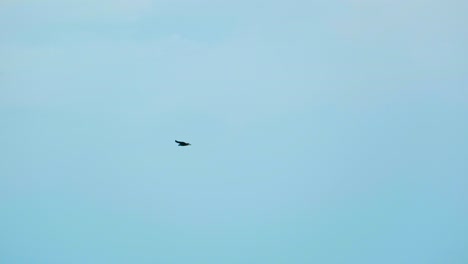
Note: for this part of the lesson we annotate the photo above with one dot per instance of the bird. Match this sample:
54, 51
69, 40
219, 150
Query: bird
182, 144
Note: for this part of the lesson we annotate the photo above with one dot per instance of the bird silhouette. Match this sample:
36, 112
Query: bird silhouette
182, 144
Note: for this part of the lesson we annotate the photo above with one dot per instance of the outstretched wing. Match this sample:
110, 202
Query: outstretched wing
180, 142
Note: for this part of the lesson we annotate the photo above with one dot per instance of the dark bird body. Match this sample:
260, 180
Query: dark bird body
182, 144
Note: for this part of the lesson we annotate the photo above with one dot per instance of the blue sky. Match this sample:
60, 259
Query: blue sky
323, 132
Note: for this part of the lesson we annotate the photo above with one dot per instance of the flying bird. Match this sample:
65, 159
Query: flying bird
182, 144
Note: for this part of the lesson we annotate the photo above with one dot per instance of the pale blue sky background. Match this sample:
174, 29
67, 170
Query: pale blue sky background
331, 132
